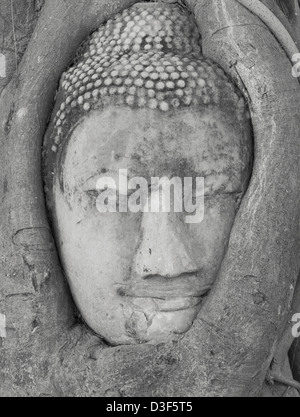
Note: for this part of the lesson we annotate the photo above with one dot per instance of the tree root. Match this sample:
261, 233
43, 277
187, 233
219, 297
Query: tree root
274, 24
277, 377
276, 374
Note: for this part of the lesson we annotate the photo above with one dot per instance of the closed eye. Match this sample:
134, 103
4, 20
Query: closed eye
95, 193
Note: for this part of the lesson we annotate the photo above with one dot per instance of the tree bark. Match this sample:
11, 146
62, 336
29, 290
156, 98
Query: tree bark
17, 22
230, 348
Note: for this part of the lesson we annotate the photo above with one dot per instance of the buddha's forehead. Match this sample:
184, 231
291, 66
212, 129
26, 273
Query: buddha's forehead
181, 143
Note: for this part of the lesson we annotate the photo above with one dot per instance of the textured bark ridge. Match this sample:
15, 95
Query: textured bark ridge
229, 350
17, 22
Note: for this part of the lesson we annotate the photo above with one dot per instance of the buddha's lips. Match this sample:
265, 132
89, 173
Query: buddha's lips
171, 304
165, 289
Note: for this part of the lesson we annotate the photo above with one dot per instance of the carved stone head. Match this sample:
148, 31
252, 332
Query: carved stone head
141, 102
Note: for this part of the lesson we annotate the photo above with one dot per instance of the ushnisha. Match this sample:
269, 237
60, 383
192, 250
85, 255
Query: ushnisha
144, 57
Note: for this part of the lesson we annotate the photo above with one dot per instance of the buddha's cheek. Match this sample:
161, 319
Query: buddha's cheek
96, 252
211, 236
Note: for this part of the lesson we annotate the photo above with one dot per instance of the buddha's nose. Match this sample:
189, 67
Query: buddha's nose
165, 248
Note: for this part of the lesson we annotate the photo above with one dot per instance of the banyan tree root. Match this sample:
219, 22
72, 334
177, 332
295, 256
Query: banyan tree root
274, 24
290, 46
277, 369
288, 41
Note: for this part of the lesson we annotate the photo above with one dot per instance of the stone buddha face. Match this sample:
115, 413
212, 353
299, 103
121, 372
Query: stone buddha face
147, 107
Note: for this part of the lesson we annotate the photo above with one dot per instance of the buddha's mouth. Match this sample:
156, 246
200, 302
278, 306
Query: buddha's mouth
167, 294
178, 304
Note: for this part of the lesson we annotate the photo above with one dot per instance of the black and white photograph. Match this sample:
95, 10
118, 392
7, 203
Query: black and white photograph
149, 201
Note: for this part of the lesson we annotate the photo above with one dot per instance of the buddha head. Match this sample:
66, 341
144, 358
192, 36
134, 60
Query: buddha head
141, 102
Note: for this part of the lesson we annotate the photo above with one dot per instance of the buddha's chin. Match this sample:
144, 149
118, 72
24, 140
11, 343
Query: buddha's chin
148, 320
175, 318
168, 325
